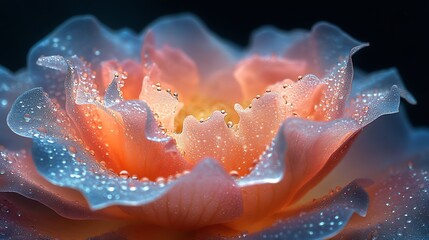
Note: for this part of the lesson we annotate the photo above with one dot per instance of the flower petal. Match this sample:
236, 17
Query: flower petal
398, 209
255, 74
268, 41
186, 32
317, 220
205, 196
150, 153
10, 88
129, 72
19, 175
322, 48
85, 37
174, 68
140, 199
22, 218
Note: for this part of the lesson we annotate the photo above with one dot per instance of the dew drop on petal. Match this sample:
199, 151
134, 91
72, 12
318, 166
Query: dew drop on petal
124, 174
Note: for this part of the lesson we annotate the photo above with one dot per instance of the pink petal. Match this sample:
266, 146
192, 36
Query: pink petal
176, 69
205, 196
164, 104
255, 74
187, 33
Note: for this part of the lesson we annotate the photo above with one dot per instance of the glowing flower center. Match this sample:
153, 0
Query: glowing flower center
202, 108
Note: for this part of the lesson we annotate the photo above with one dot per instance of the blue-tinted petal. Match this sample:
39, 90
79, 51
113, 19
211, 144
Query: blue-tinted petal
10, 88
320, 219
67, 164
19, 175
85, 37
323, 48
381, 80
398, 209
187, 33
269, 40
34, 114
388, 141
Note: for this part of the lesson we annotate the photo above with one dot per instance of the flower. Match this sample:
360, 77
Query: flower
176, 133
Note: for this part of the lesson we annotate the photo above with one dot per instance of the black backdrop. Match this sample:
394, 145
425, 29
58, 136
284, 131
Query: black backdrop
397, 32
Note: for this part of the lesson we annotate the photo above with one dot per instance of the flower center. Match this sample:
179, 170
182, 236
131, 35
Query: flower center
202, 107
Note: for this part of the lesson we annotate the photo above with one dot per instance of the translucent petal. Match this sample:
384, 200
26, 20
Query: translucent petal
255, 74
318, 220
10, 88
205, 196
398, 209
23, 218
322, 49
34, 114
300, 151
164, 104
170, 67
19, 175
268, 41
130, 74
103, 188
388, 141
380, 80
187, 33
147, 151
85, 37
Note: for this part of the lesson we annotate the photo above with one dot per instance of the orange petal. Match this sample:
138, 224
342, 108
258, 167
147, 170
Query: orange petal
130, 72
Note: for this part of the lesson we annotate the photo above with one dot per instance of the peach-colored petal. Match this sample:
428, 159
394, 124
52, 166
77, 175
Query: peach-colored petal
256, 73
163, 103
319, 219
143, 143
213, 139
205, 196
223, 87
186, 32
176, 69
129, 72
305, 147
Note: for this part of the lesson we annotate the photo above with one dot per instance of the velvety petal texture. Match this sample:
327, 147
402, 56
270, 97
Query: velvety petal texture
175, 133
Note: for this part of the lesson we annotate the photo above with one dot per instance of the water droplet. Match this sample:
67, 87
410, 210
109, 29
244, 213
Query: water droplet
124, 174
124, 75
3, 102
234, 173
27, 117
2, 171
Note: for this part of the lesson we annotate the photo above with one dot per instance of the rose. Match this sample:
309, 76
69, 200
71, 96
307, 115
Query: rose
114, 156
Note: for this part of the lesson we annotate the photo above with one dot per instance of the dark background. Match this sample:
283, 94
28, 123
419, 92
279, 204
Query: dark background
397, 32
